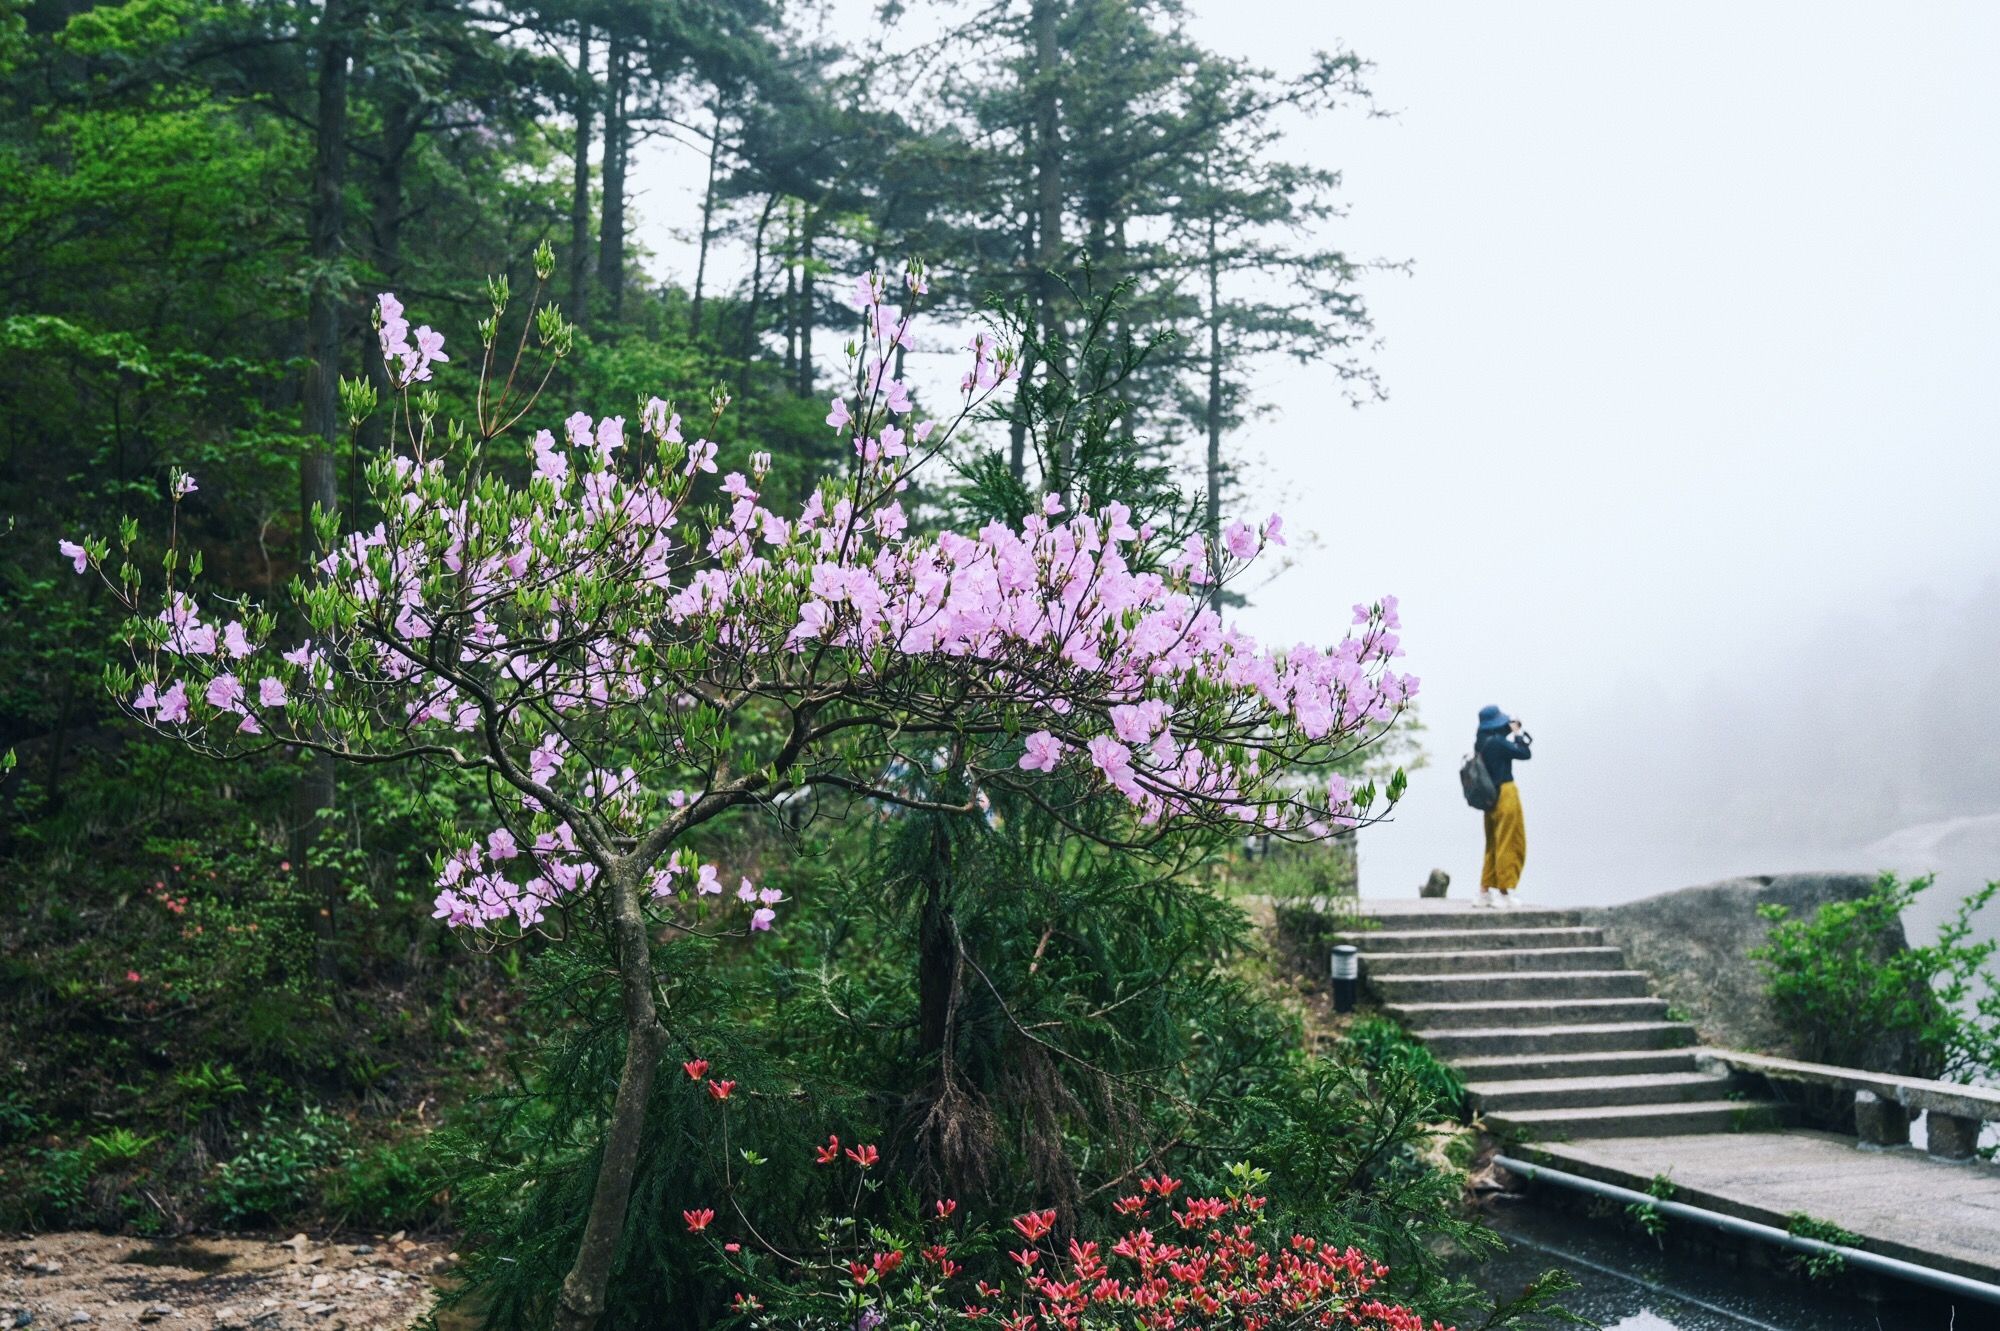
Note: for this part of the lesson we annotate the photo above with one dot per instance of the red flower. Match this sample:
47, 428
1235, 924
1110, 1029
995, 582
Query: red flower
885, 1262
696, 1068
828, 1153
863, 1155
1025, 1258
697, 1221
721, 1089
945, 1208
1035, 1224
1129, 1205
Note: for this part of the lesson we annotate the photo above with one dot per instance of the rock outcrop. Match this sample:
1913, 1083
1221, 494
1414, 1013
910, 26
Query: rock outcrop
1696, 944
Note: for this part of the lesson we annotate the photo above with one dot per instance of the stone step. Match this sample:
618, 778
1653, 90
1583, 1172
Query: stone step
1611, 1063
1501, 986
1375, 942
1526, 1012
1638, 1120
1652, 1088
1541, 1041
1497, 959
1412, 916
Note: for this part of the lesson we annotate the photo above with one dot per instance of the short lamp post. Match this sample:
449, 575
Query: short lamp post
1346, 976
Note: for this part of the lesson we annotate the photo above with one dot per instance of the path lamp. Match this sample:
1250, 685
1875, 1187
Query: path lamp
1346, 976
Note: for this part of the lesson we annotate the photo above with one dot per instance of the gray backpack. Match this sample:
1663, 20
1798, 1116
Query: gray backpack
1480, 792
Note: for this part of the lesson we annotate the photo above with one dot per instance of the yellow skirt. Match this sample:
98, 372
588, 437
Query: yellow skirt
1506, 842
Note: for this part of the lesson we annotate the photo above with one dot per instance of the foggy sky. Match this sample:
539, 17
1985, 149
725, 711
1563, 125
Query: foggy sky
1689, 457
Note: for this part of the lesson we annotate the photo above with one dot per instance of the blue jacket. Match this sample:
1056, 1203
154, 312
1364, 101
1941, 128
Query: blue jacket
1498, 749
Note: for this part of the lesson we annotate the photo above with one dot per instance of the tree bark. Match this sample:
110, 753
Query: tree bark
808, 233
611, 224
707, 226
402, 121
1049, 210
319, 485
1212, 518
579, 190
581, 1301
791, 291
754, 310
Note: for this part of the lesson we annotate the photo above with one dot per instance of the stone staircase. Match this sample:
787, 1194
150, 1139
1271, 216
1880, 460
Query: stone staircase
1555, 1037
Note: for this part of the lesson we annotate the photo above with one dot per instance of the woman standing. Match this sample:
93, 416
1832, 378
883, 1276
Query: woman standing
1500, 743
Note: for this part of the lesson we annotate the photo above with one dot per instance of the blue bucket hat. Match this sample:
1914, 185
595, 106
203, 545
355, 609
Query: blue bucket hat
1492, 718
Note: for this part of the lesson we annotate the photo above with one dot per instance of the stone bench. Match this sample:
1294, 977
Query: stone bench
1884, 1104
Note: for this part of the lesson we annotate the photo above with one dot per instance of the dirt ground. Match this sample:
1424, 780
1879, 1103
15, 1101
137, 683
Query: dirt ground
360, 1283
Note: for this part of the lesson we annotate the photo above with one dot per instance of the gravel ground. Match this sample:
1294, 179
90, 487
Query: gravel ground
80, 1280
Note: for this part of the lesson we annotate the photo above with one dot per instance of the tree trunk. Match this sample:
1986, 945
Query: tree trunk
402, 119
707, 226
937, 960
611, 226
579, 189
581, 1301
791, 292
754, 309
319, 485
1017, 424
808, 233
1212, 518
1049, 209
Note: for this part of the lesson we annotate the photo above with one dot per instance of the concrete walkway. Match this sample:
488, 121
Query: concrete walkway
1569, 1057
1902, 1203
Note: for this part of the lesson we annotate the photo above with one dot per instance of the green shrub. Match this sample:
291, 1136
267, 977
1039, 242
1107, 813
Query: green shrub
1847, 995
1381, 1046
393, 1185
57, 1187
278, 1172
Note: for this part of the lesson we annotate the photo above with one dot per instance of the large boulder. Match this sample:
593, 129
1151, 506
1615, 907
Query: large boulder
1696, 944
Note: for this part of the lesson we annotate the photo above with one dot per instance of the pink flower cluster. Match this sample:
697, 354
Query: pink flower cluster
495, 619
412, 361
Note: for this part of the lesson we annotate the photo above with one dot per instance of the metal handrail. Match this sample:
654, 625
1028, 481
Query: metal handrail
1867, 1261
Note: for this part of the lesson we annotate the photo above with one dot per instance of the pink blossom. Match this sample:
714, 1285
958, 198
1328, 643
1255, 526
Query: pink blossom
173, 704
610, 436
225, 692
183, 485
1042, 752
761, 918
1240, 540
548, 462
839, 417
75, 553
270, 692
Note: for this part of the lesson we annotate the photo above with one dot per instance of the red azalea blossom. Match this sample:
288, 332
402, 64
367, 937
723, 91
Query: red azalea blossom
721, 1089
828, 1153
946, 1207
1035, 1224
696, 1068
697, 1221
863, 1155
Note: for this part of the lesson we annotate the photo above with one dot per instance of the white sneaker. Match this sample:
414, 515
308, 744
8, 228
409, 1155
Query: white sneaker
1506, 901
1486, 898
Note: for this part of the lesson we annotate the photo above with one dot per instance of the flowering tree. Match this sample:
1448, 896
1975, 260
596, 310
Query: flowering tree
626, 650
